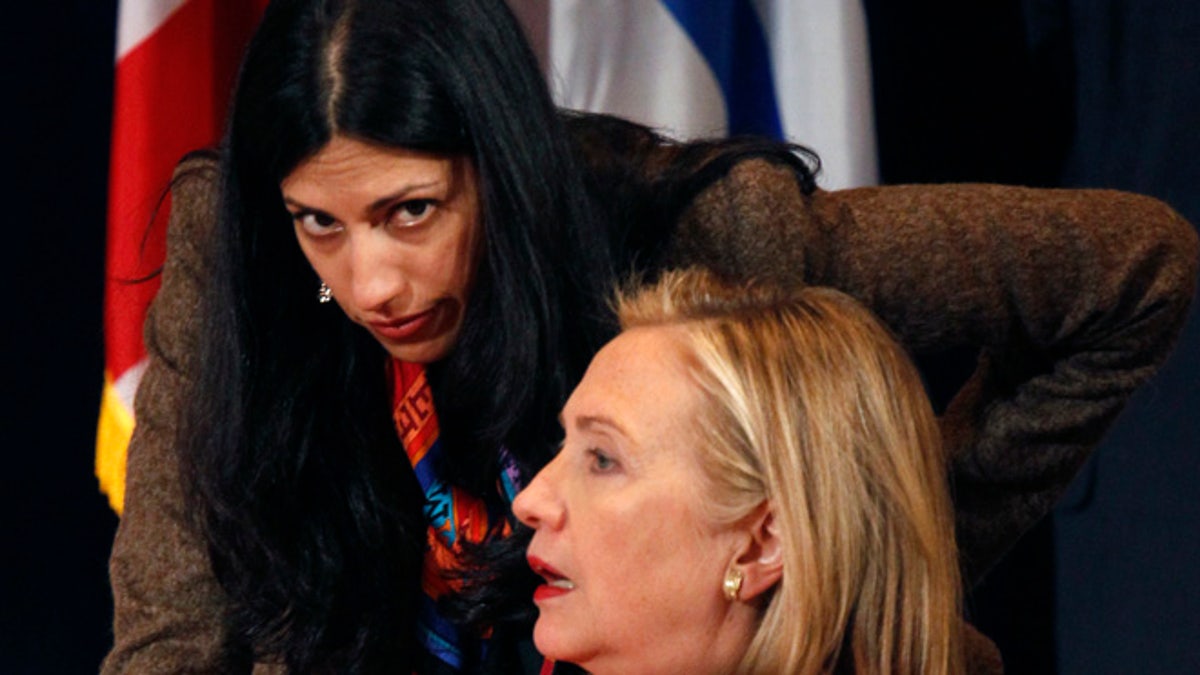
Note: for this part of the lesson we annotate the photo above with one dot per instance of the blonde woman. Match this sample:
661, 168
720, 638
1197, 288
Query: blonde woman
751, 482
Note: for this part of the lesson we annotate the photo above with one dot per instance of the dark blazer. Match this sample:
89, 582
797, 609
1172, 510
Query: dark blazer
1073, 297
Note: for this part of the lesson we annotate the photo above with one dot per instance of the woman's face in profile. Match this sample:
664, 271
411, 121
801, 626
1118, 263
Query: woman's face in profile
633, 566
395, 233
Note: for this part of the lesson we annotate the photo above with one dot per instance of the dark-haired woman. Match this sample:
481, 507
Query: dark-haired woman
375, 305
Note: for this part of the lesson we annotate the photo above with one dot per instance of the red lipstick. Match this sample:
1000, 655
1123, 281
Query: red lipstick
556, 584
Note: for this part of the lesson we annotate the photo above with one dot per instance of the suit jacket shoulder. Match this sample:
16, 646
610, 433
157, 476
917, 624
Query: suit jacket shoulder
1073, 297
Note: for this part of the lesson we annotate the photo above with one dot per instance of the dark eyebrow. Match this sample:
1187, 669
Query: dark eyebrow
400, 194
302, 207
376, 205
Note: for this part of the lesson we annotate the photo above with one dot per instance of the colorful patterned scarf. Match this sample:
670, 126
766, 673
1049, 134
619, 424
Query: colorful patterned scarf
453, 514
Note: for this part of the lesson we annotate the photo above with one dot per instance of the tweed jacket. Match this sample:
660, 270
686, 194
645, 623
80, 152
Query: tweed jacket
1072, 297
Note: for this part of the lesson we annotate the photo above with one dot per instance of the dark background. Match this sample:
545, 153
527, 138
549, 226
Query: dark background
1076, 93
1098, 93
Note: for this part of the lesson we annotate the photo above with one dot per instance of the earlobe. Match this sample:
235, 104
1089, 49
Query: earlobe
761, 561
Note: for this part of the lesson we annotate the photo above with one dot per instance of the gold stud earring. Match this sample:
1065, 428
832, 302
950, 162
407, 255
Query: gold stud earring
733, 583
324, 294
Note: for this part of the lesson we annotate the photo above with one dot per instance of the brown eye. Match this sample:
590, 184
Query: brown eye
316, 224
412, 212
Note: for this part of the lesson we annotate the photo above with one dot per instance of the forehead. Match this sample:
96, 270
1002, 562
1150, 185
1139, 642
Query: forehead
345, 163
641, 381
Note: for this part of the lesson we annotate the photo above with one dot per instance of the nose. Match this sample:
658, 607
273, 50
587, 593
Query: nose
377, 275
537, 505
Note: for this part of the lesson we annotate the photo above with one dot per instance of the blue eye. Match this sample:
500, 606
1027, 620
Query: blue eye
601, 462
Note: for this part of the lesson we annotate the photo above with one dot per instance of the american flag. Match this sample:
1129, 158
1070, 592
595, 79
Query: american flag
175, 66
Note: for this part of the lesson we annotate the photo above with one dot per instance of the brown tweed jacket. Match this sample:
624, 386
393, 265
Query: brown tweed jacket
1074, 297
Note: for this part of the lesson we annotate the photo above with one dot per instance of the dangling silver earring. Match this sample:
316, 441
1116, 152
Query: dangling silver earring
733, 583
324, 295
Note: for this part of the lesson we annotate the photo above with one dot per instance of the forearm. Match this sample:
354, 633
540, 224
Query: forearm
1074, 298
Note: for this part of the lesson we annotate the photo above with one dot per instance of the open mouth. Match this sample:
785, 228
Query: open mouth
553, 577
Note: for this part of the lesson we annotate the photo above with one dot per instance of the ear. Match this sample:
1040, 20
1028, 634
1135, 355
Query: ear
761, 559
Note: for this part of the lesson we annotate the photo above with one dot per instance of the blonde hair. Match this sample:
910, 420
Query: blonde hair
813, 406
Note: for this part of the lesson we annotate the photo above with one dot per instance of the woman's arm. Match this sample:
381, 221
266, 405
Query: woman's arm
1073, 297
169, 610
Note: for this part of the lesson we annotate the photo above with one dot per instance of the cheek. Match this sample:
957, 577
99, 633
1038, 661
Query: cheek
446, 266
323, 262
658, 572
467, 254
463, 242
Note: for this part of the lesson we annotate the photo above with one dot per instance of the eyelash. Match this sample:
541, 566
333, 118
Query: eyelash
426, 206
598, 457
321, 224
318, 224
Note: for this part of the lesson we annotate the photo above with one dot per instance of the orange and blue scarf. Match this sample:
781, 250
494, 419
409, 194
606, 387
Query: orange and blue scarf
454, 515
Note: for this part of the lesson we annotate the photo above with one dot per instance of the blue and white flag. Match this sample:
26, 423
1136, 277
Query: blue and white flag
792, 69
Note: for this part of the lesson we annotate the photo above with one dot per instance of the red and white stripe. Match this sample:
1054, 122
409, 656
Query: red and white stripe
175, 66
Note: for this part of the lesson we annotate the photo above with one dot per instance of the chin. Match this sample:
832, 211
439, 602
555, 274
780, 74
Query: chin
543, 639
552, 644
423, 355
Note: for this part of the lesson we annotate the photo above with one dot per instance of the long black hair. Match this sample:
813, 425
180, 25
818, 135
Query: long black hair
311, 513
